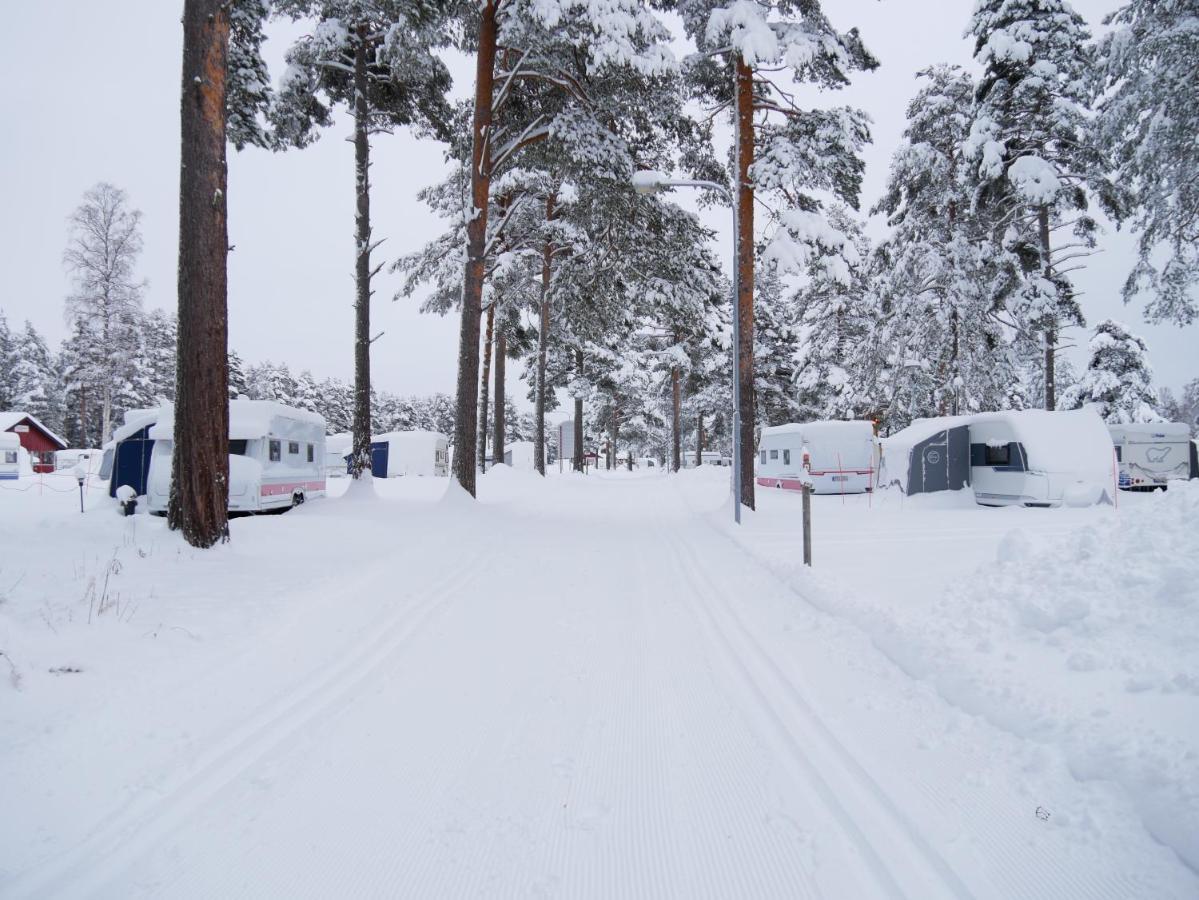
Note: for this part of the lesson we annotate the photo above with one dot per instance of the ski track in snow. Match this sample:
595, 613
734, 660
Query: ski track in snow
650, 714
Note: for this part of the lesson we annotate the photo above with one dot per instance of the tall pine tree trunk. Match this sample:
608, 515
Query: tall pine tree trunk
745, 274
614, 433
483, 387
83, 416
501, 355
360, 457
699, 439
1050, 329
578, 441
676, 441
466, 423
543, 329
199, 504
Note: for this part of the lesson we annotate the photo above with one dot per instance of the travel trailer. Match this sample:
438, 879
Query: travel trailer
337, 454
837, 457
1151, 455
400, 453
69, 459
1026, 457
276, 457
10, 456
519, 455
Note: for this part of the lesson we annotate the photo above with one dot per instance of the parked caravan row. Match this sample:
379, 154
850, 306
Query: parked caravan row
1151, 455
836, 457
1025, 457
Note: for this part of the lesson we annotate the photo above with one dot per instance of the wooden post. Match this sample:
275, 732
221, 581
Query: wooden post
807, 525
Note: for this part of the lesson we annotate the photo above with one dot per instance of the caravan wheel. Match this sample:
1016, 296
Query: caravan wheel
297, 498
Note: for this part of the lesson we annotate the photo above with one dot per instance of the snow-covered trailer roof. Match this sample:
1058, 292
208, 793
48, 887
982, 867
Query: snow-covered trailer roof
135, 421
248, 419
9, 441
1061, 441
1150, 432
412, 441
826, 430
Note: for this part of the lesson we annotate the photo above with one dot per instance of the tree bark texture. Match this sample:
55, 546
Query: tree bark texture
484, 385
501, 357
360, 456
199, 503
699, 439
1050, 330
745, 274
543, 329
676, 441
578, 454
614, 433
466, 423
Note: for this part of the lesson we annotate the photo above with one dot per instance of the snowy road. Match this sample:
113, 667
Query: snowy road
603, 697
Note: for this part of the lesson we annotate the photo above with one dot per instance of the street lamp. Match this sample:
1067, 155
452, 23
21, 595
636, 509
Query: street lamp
80, 477
651, 182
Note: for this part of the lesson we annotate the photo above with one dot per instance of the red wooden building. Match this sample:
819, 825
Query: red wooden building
35, 437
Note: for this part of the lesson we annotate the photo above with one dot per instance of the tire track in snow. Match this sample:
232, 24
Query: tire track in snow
881, 832
133, 830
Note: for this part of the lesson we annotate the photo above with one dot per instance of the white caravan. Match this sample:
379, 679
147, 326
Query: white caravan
839, 457
1033, 457
519, 455
10, 456
337, 448
276, 457
398, 453
1150, 455
68, 459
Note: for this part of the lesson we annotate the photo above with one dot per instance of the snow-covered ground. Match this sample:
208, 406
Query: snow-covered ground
592, 687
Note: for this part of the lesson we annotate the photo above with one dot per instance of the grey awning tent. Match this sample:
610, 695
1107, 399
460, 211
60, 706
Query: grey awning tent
929, 455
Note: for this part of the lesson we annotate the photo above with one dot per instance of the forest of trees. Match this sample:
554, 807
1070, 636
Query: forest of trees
554, 263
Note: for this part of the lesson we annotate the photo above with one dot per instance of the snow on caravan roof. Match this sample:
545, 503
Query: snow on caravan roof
1075, 440
902, 442
823, 430
248, 419
1150, 431
9, 440
413, 440
135, 421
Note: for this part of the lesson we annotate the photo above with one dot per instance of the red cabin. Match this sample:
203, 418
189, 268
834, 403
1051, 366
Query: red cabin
35, 437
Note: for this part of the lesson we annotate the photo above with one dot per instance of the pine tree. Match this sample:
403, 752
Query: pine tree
940, 277
783, 155
10, 387
1031, 143
1148, 113
1118, 379
373, 57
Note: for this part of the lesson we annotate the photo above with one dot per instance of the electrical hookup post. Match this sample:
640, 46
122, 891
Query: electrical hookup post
806, 491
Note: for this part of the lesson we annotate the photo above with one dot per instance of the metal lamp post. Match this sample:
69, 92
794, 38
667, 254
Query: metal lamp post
650, 182
80, 476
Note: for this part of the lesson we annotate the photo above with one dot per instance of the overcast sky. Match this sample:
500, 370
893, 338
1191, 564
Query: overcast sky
92, 92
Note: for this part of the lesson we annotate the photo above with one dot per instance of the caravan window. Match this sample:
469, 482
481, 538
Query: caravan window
276, 451
774, 454
293, 447
998, 456
762, 457
237, 448
10, 457
310, 452
1119, 453
786, 457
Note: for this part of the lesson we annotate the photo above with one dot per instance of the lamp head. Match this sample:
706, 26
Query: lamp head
648, 181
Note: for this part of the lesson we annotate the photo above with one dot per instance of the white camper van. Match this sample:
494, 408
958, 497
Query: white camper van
276, 457
1150, 455
399, 453
839, 457
337, 448
68, 459
1033, 457
10, 456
